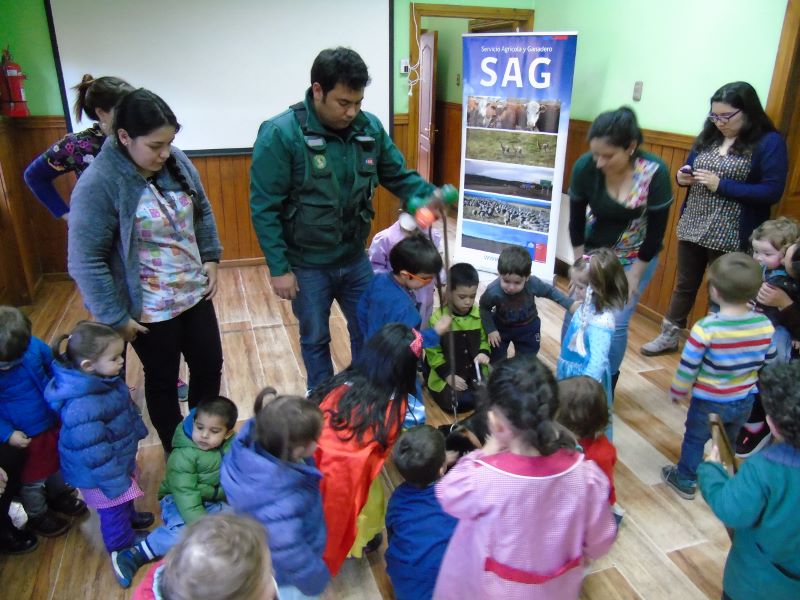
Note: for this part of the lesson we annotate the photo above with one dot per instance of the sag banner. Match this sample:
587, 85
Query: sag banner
517, 93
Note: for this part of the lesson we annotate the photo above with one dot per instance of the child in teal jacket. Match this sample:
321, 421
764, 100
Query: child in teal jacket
760, 502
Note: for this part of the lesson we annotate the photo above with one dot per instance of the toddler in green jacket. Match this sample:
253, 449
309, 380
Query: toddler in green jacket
191, 487
760, 502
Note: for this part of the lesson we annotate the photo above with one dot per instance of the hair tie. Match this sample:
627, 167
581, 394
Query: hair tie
416, 343
587, 257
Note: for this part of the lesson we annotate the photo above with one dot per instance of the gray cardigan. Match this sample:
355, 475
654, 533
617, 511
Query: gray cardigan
103, 245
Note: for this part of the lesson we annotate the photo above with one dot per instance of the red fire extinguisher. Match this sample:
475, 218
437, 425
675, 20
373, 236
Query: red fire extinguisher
12, 91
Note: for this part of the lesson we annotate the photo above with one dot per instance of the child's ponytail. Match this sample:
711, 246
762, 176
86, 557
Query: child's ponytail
87, 341
284, 422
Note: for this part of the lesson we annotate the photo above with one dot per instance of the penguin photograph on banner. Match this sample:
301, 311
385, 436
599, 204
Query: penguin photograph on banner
517, 95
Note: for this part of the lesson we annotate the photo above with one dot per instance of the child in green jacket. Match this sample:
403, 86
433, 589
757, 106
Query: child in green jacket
191, 487
760, 502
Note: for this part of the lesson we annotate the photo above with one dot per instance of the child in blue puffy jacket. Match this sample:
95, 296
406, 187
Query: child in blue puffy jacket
28, 423
269, 473
100, 429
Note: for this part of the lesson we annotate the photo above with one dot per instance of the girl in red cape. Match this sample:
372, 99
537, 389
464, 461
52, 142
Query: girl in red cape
363, 408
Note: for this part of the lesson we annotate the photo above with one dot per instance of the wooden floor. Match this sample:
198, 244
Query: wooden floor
667, 547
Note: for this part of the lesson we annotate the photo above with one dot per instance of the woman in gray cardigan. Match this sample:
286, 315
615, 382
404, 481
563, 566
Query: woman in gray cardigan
144, 251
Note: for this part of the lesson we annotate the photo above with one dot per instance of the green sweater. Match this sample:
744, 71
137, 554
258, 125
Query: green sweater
760, 504
311, 188
469, 339
192, 475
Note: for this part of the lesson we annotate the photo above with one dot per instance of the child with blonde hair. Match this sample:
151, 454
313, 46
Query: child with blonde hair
531, 509
586, 345
270, 474
220, 557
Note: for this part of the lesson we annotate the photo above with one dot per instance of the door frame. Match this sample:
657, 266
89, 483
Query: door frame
518, 15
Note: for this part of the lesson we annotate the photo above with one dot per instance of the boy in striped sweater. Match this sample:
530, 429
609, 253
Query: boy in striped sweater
720, 364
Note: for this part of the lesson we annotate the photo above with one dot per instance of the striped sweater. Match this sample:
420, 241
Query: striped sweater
723, 356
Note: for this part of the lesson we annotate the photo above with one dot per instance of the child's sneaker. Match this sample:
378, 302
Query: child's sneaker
684, 489
749, 442
142, 520
125, 563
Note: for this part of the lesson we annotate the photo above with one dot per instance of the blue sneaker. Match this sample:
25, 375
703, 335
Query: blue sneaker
125, 563
683, 488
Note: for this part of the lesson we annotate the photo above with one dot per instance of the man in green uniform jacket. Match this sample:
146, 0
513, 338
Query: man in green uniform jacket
314, 172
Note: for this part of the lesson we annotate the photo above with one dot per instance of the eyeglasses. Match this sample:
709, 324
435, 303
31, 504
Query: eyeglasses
723, 118
422, 280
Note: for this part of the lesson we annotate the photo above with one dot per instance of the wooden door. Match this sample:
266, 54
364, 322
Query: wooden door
427, 103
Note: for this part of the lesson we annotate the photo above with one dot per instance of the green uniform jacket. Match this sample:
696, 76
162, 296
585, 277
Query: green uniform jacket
192, 475
760, 504
311, 188
470, 340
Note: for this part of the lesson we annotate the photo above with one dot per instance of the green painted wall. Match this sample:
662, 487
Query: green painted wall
402, 11
683, 50
450, 56
23, 27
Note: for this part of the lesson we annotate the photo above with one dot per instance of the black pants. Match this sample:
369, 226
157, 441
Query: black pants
693, 259
195, 334
11, 461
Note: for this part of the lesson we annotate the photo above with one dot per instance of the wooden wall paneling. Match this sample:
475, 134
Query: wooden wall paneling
12, 281
27, 268
447, 166
34, 135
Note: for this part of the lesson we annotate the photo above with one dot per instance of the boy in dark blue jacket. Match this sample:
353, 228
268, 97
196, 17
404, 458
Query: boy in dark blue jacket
419, 530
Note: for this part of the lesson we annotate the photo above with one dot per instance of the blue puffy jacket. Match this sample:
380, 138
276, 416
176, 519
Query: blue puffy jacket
100, 429
22, 403
285, 498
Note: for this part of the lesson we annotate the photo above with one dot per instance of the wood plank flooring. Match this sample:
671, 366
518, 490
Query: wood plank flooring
667, 547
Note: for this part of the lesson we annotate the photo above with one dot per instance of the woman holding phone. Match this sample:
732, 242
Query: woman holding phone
735, 172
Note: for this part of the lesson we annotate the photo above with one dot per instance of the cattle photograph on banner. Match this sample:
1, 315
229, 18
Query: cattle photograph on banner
517, 94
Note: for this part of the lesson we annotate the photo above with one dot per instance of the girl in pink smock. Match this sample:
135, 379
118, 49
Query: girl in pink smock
531, 509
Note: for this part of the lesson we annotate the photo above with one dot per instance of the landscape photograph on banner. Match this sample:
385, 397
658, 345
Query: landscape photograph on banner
527, 182
535, 149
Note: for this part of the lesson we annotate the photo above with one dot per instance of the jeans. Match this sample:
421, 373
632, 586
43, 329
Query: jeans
622, 318
698, 431
289, 592
115, 525
318, 288
34, 495
195, 334
692, 262
783, 345
619, 342
526, 338
161, 539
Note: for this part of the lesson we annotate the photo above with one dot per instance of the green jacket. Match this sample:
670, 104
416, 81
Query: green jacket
311, 188
469, 339
760, 504
192, 475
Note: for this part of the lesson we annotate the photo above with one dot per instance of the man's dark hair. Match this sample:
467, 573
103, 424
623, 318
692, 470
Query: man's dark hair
514, 260
339, 65
419, 455
219, 407
462, 274
415, 254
